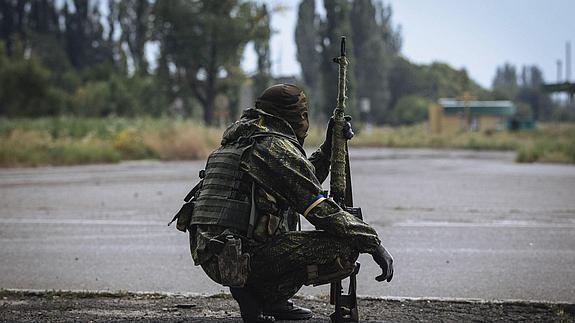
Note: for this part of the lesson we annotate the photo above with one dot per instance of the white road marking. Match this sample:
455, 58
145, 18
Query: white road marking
496, 224
83, 222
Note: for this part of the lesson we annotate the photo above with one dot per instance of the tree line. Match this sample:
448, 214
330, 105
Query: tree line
395, 90
92, 58
89, 58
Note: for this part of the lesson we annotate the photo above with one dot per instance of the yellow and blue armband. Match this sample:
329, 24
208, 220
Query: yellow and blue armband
315, 201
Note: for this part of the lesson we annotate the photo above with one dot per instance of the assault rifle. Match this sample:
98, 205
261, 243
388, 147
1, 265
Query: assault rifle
340, 191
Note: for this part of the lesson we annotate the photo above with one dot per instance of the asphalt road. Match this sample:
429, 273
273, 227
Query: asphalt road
459, 224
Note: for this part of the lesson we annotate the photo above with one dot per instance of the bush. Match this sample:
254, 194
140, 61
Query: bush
131, 145
37, 148
25, 89
69, 140
66, 141
410, 109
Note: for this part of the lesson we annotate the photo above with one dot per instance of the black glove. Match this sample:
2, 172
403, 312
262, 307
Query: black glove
347, 133
385, 262
347, 129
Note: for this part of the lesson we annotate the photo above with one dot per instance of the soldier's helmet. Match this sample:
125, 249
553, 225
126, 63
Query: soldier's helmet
288, 102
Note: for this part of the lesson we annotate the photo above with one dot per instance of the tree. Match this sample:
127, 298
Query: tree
410, 109
391, 35
203, 41
526, 90
373, 57
25, 87
308, 53
505, 82
336, 24
405, 78
13, 16
134, 16
443, 81
262, 79
372, 43
531, 93
84, 35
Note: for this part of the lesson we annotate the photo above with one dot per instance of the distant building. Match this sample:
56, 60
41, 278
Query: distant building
452, 116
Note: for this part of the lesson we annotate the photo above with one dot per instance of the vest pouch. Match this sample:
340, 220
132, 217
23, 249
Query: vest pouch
184, 216
234, 266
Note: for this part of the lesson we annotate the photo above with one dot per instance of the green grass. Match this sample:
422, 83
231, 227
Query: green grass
552, 143
71, 141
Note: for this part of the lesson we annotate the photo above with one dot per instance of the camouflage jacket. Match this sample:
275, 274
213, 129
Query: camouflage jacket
286, 183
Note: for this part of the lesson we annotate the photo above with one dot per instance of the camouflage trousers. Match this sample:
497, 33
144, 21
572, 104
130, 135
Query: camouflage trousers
280, 267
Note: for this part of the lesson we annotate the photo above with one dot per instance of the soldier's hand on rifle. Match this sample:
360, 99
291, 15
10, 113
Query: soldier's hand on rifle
347, 129
385, 262
347, 133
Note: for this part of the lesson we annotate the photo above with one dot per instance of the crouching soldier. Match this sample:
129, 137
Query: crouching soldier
246, 212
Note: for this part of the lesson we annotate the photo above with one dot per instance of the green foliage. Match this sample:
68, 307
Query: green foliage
505, 82
404, 79
372, 42
25, 88
410, 109
376, 52
262, 78
377, 74
135, 20
523, 111
308, 51
120, 96
526, 91
69, 59
35, 148
72, 140
337, 23
444, 81
563, 114
204, 40
68, 141
434, 81
554, 143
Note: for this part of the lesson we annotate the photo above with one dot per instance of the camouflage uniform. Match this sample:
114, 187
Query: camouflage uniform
285, 183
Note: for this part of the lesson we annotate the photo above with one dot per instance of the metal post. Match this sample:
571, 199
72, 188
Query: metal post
568, 62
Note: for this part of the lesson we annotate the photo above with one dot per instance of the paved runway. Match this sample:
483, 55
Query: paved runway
460, 224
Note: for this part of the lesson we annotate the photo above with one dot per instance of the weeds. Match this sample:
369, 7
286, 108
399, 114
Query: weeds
69, 141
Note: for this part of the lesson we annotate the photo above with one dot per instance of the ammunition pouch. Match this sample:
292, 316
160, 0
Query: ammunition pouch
184, 215
233, 265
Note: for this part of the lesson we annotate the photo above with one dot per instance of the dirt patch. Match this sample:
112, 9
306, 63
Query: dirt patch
50, 306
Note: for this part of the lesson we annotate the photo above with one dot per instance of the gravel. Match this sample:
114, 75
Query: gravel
84, 306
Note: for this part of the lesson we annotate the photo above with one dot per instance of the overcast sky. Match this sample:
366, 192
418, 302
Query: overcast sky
477, 35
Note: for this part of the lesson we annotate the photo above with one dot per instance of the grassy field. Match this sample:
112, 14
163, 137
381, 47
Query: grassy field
70, 141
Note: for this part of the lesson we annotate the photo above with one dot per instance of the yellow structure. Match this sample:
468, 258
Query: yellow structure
452, 116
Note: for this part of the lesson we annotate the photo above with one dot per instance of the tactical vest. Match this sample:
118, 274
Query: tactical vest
225, 196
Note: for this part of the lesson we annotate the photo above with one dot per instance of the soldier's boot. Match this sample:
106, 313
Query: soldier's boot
250, 308
288, 311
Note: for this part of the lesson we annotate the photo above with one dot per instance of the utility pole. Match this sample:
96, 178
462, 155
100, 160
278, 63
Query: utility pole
559, 70
568, 62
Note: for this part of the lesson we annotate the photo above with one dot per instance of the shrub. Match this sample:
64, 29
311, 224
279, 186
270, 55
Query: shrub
410, 109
